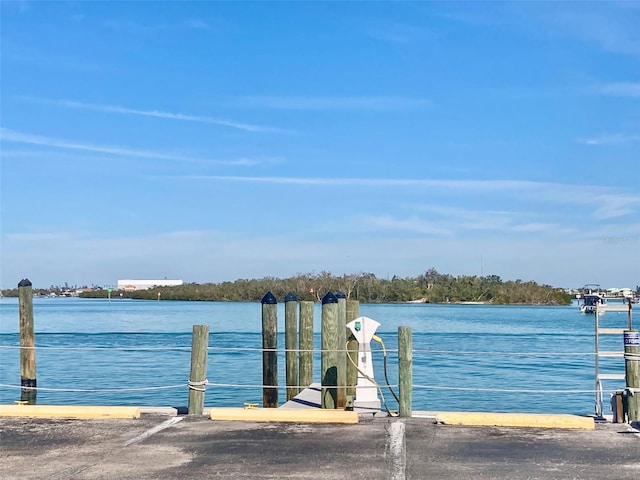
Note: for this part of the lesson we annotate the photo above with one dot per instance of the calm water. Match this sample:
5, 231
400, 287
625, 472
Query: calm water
125, 344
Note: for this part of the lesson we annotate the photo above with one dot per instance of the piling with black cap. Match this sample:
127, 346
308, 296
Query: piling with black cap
269, 351
291, 343
27, 343
329, 351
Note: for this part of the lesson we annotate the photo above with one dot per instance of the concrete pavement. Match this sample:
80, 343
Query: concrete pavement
167, 447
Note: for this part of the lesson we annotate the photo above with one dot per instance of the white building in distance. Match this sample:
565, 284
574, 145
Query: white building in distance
132, 285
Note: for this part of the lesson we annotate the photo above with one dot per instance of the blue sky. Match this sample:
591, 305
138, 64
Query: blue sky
213, 141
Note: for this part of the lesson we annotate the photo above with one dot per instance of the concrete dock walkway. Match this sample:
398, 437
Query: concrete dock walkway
167, 447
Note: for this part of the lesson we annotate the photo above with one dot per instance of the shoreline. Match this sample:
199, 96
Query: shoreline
408, 302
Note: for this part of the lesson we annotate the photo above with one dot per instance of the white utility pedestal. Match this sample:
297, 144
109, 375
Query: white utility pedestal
363, 329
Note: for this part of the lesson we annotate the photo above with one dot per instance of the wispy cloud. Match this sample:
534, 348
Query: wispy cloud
445, 220
619, 89
28, 237
610, 25
483, 17
152, 113
139, 28
612, 206
52, 155
47, 59
559, 261
7, 135
79, 236
610, 139
534, 227
133, 27
455, 218
607, 201
197, 24
487, 185
21, 6
354, 103
580, 194
471, 219
413, 224
394, 32
452, 226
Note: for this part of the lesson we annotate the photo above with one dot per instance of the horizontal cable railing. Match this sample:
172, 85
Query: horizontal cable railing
213, 350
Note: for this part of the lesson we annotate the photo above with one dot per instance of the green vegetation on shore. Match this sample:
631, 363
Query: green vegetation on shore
430, 287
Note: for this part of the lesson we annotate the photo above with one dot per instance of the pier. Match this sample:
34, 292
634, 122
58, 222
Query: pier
94, 442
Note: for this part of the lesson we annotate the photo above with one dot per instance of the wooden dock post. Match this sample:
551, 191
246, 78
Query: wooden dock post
198, 374
405, 373
306, 343
632, 373
353, 312
329, 350
341, 354
269, 351
291, 344
27, 343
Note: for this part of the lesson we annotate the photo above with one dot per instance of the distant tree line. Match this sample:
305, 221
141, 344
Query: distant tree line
56, 290
429, 287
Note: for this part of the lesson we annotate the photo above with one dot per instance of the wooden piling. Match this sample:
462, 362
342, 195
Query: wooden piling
269, 351
27, 343
306, 343
341, 354
632, 373
291, 343
353, 312
329, 351
198, 374
405, 372
617, 405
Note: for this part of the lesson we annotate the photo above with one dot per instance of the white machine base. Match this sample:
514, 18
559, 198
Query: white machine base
364, 406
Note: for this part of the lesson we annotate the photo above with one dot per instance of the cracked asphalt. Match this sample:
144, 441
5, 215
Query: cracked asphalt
161, 447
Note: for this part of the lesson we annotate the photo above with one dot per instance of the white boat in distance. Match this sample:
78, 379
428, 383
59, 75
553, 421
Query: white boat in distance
592, 297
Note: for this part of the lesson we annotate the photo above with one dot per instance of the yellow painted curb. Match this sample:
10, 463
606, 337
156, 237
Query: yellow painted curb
533, 420
311, 415
68, 411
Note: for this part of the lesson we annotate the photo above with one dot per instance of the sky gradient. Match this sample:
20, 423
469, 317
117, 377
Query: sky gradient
213, 141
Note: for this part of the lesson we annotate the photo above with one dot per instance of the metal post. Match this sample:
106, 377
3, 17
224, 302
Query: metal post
597, 363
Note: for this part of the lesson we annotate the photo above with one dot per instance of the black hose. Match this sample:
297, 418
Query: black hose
386, 378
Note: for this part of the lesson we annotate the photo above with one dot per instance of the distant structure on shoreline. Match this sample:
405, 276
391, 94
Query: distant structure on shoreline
133, 285
623, 293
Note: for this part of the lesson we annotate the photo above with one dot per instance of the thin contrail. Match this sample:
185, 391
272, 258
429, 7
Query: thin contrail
247, 127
